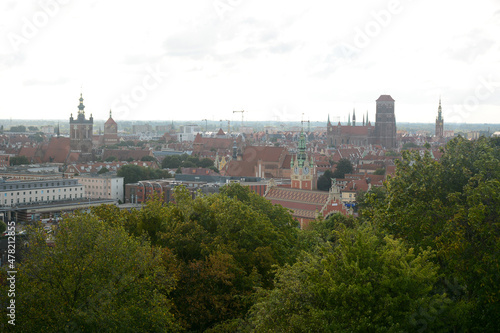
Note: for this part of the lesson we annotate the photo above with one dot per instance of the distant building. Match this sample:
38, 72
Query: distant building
385, 122
137, 129
383, 133
81, 131
110, 131
305, 203
14, 193
102, 186
439, 123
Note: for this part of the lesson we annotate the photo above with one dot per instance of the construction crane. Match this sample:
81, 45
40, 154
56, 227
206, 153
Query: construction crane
206, 126
242, 113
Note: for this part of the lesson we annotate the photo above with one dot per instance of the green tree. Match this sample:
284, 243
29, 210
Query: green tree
95, 278
206, 163
361, 282
148, 159
452, 206
188, 164
344, 166
379, 172
171, 162
111, 159
325, 181
224, 246
32, 128
20, 128
410, 145
3, 227
19, 160
102, 170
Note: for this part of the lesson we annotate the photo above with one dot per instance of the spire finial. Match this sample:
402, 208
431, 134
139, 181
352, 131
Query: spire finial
109, 113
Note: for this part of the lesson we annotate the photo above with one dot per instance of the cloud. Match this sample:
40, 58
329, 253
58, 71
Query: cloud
467, 48
38, 82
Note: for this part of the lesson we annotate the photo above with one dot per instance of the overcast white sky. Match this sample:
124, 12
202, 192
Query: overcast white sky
197, 59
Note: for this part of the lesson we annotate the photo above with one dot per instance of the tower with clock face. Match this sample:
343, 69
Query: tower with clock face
303, 173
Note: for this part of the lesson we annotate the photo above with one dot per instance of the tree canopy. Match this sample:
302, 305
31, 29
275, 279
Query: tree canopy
453, 207
96, 277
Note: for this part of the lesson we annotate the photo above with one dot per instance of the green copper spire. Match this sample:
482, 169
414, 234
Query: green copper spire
301, 151
81, 107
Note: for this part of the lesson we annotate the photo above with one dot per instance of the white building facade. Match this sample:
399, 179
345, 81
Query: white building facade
13, 193
102, 186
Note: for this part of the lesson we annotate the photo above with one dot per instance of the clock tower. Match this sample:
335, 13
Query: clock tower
303, 173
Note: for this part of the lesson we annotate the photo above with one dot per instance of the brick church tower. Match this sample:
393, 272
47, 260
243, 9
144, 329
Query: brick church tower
110, 131
81, 131
385, 122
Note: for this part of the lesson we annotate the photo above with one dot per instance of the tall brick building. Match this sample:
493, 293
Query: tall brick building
383, 133
385, 122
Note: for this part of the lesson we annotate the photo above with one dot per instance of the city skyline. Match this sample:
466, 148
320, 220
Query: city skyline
278, 61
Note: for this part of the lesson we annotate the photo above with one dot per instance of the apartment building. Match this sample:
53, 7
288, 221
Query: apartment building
15, 193
102, 186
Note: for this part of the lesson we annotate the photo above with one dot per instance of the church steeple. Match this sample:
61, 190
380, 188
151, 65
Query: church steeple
81, 107
349, 119
440, 116
439, 122
301, 150
329, 123
363, 120
353, 117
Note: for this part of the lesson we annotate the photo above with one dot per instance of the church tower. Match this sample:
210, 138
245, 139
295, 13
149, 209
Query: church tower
81, 131
439, 123
303, 169
385, 122
110, 131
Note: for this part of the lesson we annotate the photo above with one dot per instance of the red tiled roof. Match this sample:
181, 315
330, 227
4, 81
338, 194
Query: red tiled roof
57, 151
110, 121
125, 154
221, 132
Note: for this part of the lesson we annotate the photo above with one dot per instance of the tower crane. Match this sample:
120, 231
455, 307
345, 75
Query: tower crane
242, 113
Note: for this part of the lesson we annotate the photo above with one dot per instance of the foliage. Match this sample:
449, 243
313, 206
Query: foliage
111, 159
20, 128
19, 160
224, 246
148, 159
343, 167
95, 278
32, 128
102, 170
410, 145
379, 172
185, 161
132, 173
452, 206
3, 227
362, 281
325, 181
37, 137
